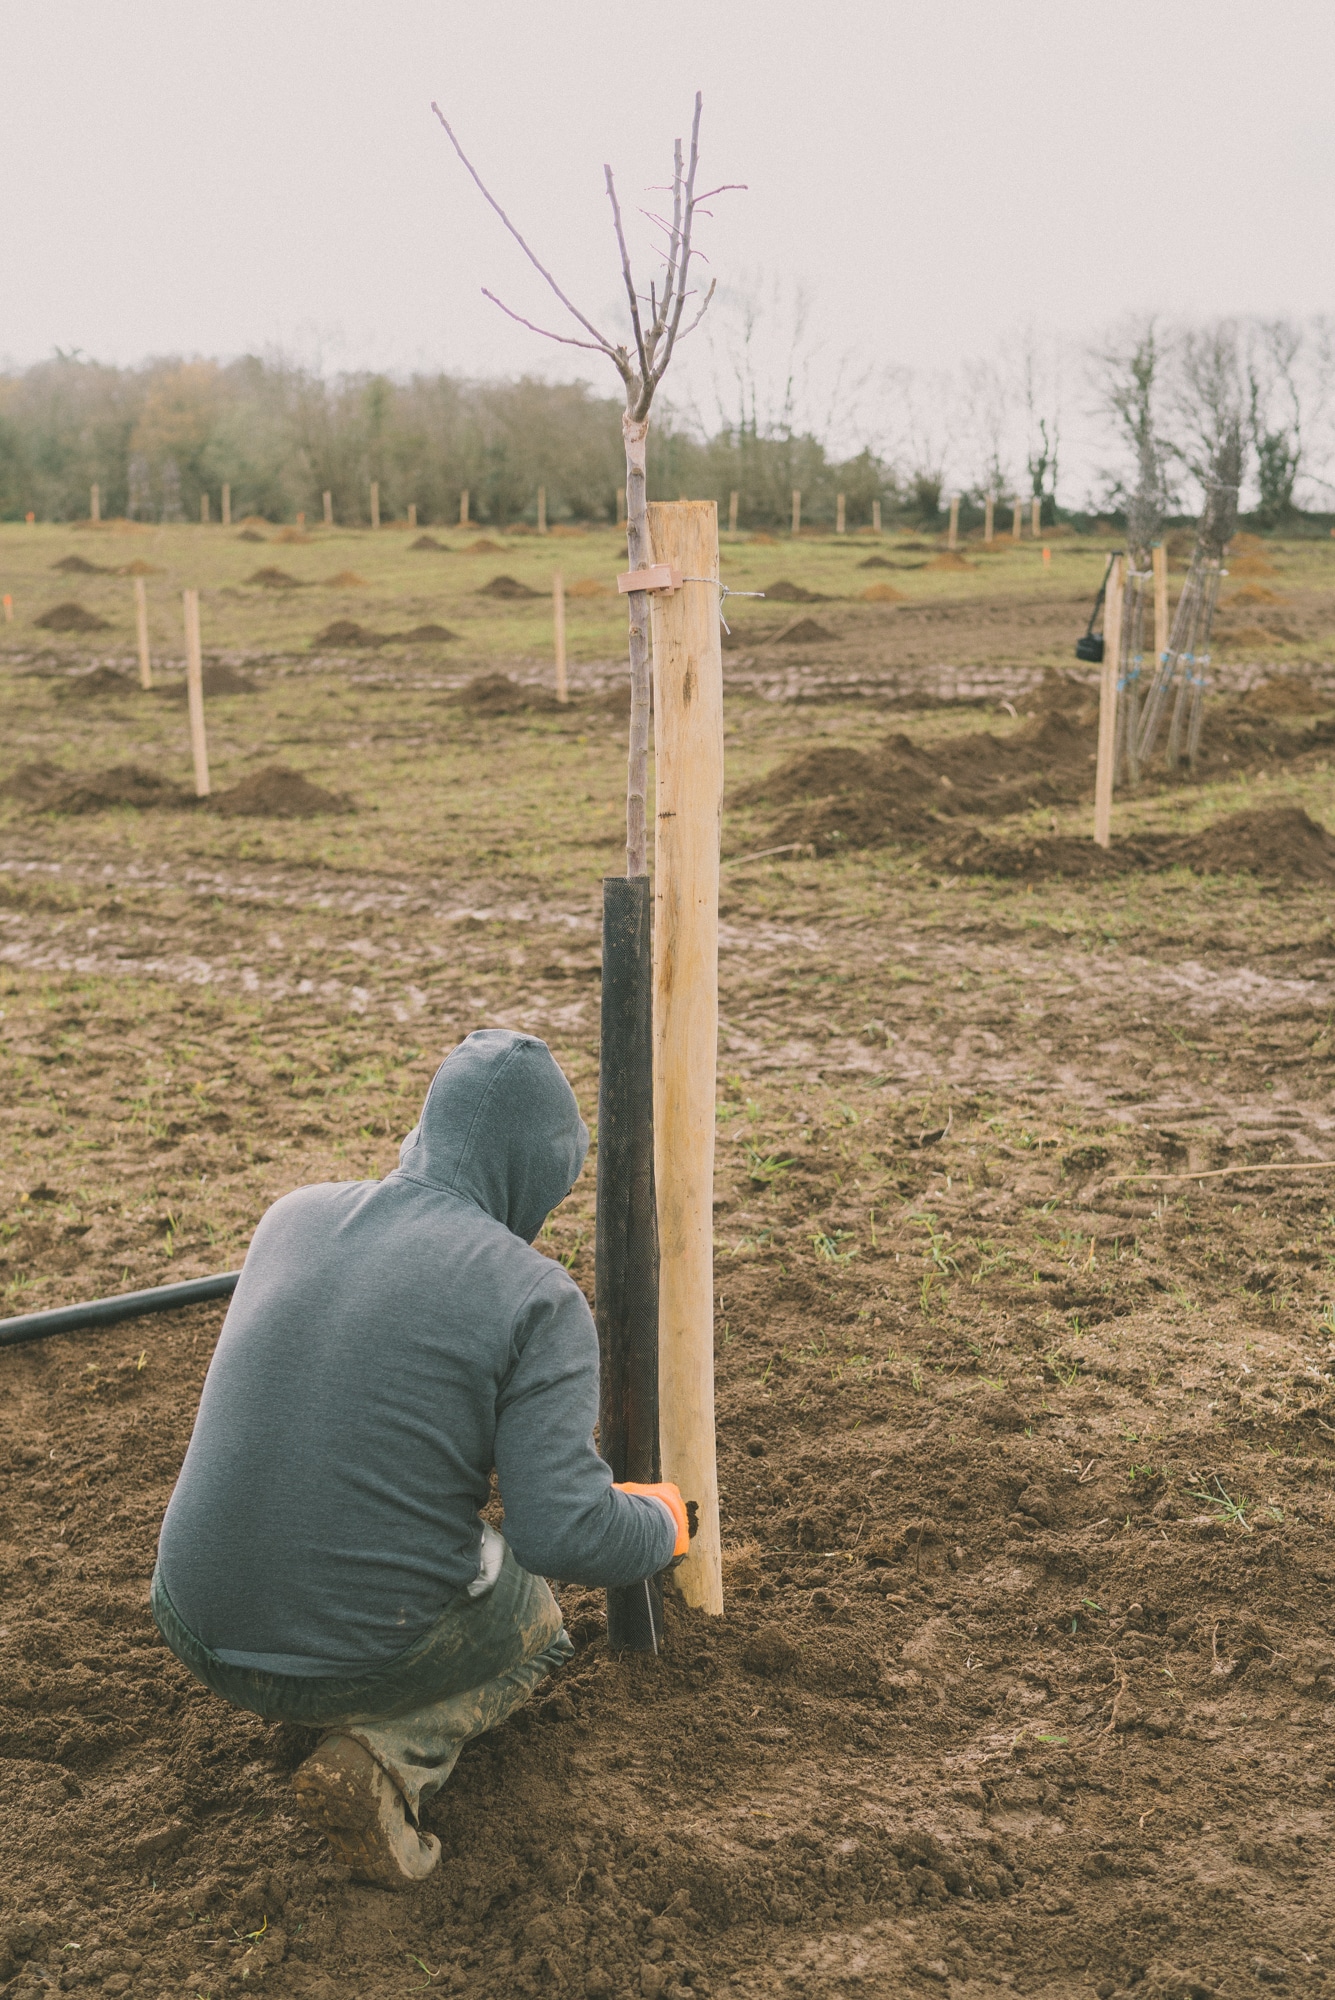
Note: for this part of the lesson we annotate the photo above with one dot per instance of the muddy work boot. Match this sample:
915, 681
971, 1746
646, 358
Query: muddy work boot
343, 1794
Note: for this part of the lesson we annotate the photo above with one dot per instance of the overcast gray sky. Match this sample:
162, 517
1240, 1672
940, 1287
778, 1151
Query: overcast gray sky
178, 177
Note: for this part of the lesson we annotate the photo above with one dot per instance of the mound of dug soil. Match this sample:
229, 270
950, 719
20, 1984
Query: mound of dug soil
139, 568
346, 579
274, 579
277, 792
46, 788
217, 678
71, 617
805, 632
497, 694
1287, 694
347, 632
292, 535
102, 680
784, 592
588, 586
426, 635
1275, 843
877, 562
77, 566
249, 535
484, 547
506, 587
883, 593
947, 560
429, 542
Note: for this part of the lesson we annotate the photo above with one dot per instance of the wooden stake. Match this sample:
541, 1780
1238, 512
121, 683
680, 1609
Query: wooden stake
876, 517
559, 624
412, 513
463, 508
203, 510
732, 513
1112, 661
840, 514
329, 510
953, 537
1159, 557
1017, 520
1036, 515
797, 510
194, 688
95, 503
141, 628
542, 510
989, 517
375, 503
688, 729
226, 505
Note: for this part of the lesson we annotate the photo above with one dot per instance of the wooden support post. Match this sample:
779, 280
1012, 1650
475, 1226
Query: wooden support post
732, 513
412, 513
559, 627
542, 510
688, 732
876, 517
621, 506
840, 514
1017, 520
463, 508
1159, 558
226, 505
95, 503
953, 536
626, 1243
328, 510
194, 690
1112, 663
375, 503
1036, 516
989, 516
141, 629
797, 510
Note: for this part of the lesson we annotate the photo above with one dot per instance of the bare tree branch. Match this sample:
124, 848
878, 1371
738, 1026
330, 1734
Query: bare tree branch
566, 339
538, 266
627, 278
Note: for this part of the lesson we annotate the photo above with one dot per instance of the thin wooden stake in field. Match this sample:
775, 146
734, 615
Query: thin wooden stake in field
141, 629
876, 517
412, 513
840, 514
1159, 559
203, 510
95, 503
1017, 520
688, 732
194, 690
989, 517
542, 510
797, 510
732, 513
375, 503
953, 535
463, 508
559, 628
226, 505
1112, 655
328, 510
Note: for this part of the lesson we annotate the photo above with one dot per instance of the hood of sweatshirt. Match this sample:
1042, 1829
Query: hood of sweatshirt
500, 1126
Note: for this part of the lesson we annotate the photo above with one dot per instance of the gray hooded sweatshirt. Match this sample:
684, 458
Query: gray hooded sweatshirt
388, 1343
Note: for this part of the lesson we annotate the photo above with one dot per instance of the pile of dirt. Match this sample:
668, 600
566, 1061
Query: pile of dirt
803, 632
1251, 635
71, 617
216, 678
589, 586
784, 592
429, 542
77, 566
249, 535
292, 535
426, 635
346, 579
1274, 843
1279, 843
878, 562
1252, 593
347, 632
139, 568
883, 593
274, 579
497, 694
46, 788
87, 687
277, 792
484, 547
1287, 694
948, 559
506, 587
566, 530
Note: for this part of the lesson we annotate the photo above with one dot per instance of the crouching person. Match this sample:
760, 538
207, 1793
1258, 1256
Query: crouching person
322, 1560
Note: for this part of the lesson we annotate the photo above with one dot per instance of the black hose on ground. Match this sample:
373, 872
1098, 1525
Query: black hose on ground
106, 1312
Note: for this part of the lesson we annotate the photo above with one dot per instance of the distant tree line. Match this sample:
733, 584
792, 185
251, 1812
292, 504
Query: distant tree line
157, 436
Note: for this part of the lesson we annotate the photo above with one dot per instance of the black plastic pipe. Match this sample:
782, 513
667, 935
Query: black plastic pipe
626, 1246
106, 1312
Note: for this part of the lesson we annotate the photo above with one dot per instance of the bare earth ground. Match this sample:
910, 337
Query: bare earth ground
1028, 1667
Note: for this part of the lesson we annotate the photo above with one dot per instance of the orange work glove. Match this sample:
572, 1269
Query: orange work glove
670, 1495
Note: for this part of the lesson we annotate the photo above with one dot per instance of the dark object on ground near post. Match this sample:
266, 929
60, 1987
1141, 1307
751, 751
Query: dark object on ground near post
626, 1254
1090, 645
108, 1312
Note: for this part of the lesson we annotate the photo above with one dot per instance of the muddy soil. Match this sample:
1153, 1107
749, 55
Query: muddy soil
1025, 1232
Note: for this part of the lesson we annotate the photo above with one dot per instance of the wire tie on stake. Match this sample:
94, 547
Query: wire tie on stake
724, 590
663, 577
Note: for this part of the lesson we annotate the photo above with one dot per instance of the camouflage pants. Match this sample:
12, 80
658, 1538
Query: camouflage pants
480, 1660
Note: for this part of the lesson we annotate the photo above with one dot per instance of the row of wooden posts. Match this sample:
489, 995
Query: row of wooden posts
1111, 688
989, 519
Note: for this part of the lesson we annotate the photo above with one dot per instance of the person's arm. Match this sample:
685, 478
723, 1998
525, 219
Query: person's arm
563, 1517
